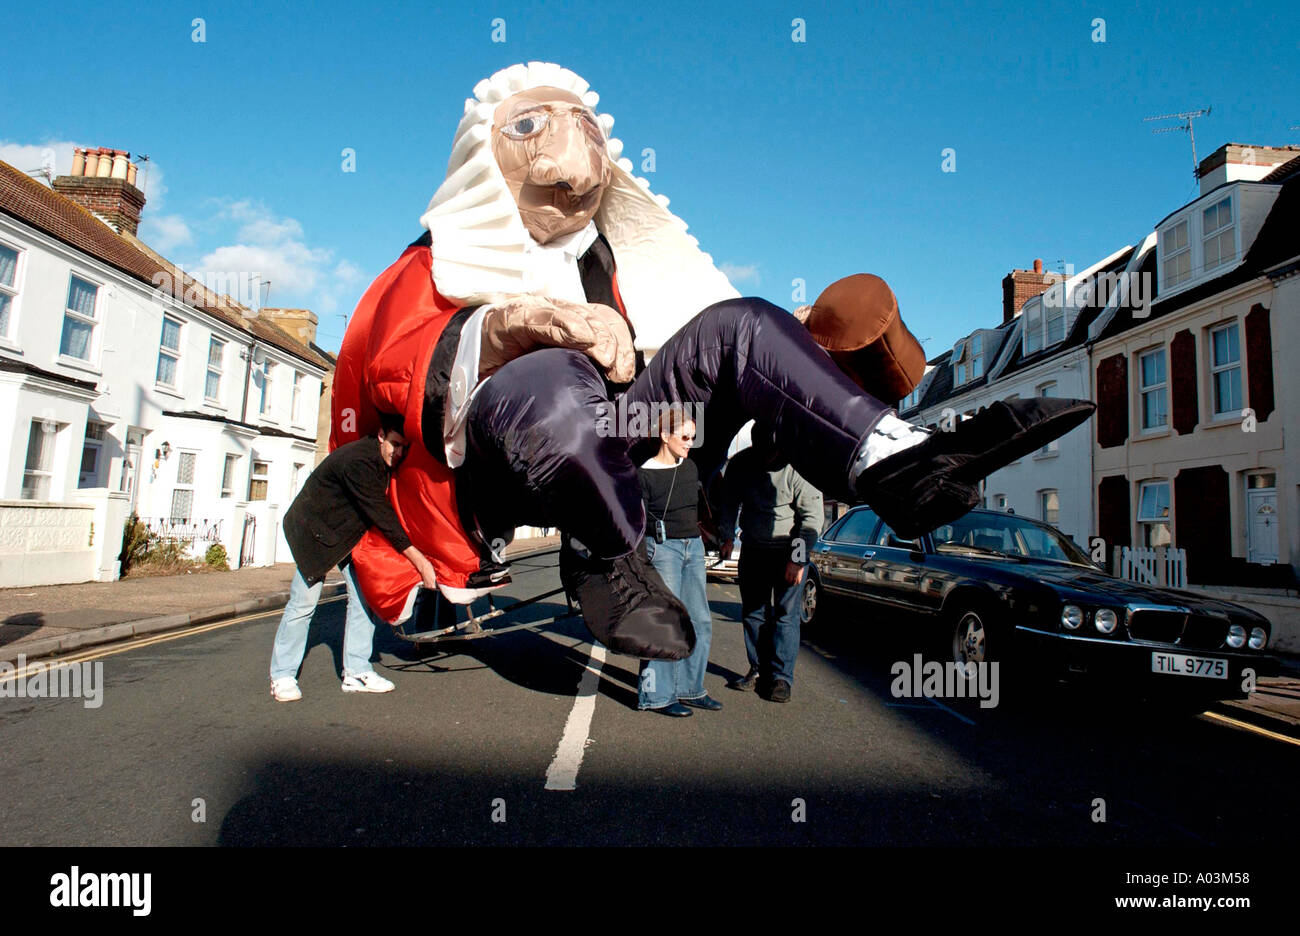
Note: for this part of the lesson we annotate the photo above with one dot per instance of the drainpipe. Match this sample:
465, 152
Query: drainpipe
248, 377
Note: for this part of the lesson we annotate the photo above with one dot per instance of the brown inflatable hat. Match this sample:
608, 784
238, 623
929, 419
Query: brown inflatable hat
856, 319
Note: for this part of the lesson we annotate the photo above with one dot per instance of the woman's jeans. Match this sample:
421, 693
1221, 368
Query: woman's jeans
680, 563
291, 637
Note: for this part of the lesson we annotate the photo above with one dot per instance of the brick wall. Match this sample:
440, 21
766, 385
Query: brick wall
115, 200
1018, 287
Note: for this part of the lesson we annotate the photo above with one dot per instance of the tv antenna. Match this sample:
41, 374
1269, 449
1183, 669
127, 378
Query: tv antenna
141, 159
1186, 127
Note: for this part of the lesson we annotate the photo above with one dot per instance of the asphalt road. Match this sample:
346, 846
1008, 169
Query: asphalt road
460, 753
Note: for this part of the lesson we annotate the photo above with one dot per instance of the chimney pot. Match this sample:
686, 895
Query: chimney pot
1038, 266
103, 182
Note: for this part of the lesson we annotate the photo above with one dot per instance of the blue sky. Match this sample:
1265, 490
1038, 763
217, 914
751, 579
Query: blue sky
807, 160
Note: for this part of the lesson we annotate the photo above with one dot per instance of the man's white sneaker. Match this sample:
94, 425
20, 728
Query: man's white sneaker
367, 682
285, 689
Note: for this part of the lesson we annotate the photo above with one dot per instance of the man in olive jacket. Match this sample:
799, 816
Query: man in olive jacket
343, 498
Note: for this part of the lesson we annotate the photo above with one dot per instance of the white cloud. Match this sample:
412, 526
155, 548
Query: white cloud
258, 225
739, 274
163, 232
273, 249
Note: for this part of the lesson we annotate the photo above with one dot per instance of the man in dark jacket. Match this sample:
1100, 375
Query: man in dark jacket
343, 498
780, 519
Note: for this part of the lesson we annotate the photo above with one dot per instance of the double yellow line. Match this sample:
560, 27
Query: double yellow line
1254, 729
116, 648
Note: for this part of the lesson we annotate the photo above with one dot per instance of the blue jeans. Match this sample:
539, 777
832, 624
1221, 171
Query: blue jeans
770, 609
291, 637
680, 563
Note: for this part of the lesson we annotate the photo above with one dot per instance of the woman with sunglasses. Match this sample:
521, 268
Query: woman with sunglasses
670, 489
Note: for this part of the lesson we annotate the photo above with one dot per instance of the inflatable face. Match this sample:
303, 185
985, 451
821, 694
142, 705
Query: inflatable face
554, 156
500, 198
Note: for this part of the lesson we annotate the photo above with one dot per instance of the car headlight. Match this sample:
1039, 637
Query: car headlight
1071, 617
1106, 621
1236, 636
1258, 638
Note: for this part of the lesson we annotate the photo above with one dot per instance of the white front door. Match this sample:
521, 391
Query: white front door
131, 466
1261, 530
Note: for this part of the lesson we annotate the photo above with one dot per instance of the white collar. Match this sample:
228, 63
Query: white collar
573, 245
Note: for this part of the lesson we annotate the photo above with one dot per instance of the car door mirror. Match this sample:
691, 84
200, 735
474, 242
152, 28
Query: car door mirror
910, 545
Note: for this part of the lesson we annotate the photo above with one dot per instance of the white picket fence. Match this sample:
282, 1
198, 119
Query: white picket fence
1158, 565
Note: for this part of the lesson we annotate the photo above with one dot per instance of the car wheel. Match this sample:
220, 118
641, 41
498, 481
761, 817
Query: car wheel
808, 599
970, 637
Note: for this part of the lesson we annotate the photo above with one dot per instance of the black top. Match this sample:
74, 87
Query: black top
345, 496
681, 515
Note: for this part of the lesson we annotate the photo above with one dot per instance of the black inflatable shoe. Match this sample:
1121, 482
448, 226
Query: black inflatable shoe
936, 481
627, 606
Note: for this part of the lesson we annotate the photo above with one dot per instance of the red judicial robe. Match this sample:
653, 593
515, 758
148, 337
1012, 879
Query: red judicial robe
382, 366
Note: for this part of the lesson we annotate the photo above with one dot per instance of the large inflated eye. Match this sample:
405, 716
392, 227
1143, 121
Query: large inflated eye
525, 125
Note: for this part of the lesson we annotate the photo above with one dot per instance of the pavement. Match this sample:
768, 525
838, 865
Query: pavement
51, 620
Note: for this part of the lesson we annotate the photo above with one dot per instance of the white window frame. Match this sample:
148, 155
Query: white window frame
1167, 255
219, 345
968, 359
1052, 448
184, 486
1033, 329
43, 474
295, 405
92, 346
295, 479
228, 468
1052, 315
1161, 387
174, 354
268, 388
1043, 495
1217, 234
1000, 502
264, 477
1216, 369
1145, 522
12, 292
96, 443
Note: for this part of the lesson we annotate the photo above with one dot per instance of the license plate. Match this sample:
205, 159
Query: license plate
1180, 664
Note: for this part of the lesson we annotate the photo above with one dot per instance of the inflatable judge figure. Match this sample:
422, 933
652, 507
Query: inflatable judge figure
504, 335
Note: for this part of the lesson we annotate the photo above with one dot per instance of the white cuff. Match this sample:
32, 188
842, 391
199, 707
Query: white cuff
891, 436
463, 386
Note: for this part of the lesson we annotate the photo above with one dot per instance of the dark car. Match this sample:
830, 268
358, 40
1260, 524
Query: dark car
999, 585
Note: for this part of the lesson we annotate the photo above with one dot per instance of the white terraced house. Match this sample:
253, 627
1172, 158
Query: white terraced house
177, 404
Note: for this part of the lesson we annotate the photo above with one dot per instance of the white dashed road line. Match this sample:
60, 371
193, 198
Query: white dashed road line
563, 772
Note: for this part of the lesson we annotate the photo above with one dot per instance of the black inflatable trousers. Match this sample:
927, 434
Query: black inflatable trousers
547, 446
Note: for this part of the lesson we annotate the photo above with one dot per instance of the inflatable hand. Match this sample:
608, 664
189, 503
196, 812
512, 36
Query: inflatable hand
519, 325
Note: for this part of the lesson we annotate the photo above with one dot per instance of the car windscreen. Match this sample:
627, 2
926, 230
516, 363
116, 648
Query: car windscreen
1007, 535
